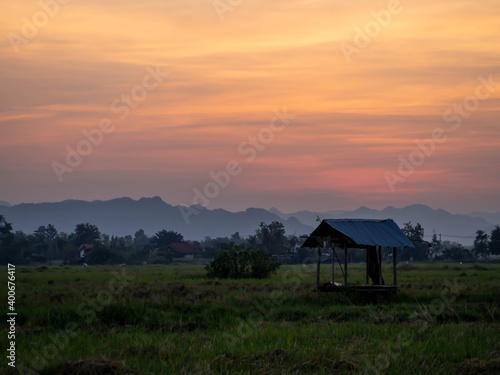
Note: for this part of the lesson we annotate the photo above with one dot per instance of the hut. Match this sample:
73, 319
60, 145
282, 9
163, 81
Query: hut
370, 235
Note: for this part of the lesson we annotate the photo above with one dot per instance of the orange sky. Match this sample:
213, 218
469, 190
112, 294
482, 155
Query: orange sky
354, 119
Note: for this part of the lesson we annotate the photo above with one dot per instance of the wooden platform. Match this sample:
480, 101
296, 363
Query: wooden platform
378, 289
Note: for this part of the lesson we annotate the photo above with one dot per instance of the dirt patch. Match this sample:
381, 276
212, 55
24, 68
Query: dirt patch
267, 363
324, 365
278, 354
97, 366
201, 296
179, 291
479, 366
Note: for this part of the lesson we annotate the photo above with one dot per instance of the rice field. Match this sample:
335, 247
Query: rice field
176, 320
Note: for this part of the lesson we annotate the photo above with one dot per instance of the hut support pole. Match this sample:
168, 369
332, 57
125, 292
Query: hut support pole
367, 275
333, 267
380, 265
317, 272
345, 265
394, 253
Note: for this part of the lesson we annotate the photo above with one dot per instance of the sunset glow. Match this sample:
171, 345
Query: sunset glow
354, 121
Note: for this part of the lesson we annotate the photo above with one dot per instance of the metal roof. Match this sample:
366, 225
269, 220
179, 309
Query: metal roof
359, 233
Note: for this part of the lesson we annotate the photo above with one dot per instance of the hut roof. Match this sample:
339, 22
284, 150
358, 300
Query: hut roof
358, 233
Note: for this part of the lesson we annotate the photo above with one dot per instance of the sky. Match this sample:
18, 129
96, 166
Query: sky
294, 104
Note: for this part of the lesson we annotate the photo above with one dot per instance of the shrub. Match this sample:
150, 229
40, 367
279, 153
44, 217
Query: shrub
237, 262
103, 255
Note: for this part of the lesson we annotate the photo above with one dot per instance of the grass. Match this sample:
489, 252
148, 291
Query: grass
175, 320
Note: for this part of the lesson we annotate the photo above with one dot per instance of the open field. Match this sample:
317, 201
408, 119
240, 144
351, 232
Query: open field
175, 320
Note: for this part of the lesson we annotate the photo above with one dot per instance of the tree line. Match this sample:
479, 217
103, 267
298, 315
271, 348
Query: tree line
48, 244
484, 246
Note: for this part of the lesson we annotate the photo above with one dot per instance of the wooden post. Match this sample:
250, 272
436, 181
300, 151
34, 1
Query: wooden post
380, 265
319, 263
333, 266
345, 265
367, 275
394, 253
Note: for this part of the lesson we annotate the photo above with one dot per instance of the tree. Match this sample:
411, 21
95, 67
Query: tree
86, 234
66, 246
436, 246
7, 255
252, 241
101, 254
416, 235
41, 233
235, 237
51, 232
494, 245
164, 238
457, 252
140, 239
128, 241
39, 241
44, 240
481, 244
271, 237
292, 242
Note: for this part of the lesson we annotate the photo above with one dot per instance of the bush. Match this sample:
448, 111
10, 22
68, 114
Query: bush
103, 255
237, 262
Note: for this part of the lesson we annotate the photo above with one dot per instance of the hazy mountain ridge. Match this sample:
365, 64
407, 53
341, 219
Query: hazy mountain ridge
452, 227
491, 217
124, 216
307, 217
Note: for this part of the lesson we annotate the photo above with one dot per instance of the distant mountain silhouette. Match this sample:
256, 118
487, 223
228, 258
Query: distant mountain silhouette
124, 216
308, 217
3, 203
492, 217
452, 227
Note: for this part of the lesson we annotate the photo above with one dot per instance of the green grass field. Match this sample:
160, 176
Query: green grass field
175, 320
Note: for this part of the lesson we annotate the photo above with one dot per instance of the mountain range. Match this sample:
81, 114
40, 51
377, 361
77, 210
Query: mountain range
124, 216
451, 227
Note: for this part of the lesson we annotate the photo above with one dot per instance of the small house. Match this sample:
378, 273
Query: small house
83, 250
